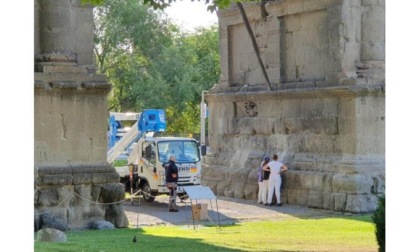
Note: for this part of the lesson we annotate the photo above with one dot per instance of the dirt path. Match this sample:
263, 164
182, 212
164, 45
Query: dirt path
224, 210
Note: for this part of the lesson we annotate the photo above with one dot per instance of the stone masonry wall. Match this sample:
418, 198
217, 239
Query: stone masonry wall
325, 116
74, 185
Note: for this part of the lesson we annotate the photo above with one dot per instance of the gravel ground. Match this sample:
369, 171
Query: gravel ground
223, 210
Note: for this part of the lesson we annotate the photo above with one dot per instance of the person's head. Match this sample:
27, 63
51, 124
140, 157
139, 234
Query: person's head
266, 159
275, 157
172, 158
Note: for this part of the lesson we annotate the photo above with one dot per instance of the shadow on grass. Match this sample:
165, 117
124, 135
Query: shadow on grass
122, 240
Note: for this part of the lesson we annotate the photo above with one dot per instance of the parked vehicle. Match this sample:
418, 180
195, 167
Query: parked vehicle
147, 154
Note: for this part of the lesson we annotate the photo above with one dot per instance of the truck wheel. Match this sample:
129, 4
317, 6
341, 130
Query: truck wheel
147, 193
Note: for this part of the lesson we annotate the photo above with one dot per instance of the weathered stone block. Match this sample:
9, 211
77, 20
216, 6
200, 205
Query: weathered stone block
293, 180
354, 184
346, 125
369, 2
229, 191
95, 191
105, 178
232, 127
294, 125
361, 203
207, 172
246, 126
321, 125
100, 225
370, 107
37, 220
81, 168
239, 190
316, 181
292, 108
115, 214
251, 191
369, 144
83, 195
330, 107
82, 178
347, 108
221, 187
279, 127
328, 201
298, 196
379, 185
53, 196
346, 143
272, 58
49, 220
214, 173
339, 201
284, 195
81, 216
277, 142
315, 199
252, 176
210, 160
111, 193
263, 126
312, 108
212, 184
373, 32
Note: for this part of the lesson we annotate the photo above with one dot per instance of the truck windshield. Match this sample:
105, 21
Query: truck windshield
183, 150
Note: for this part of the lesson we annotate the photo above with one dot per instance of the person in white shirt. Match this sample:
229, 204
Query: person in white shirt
274, 182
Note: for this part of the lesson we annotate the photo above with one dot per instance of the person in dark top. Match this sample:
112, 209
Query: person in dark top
262, 187
171, 183
265, 177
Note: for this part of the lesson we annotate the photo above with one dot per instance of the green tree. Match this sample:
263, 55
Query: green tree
378, 218
152, 64
188, 67
128, 36
161, 4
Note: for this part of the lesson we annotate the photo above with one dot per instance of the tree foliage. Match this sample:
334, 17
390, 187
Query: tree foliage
152, 64
378, 218
161, 4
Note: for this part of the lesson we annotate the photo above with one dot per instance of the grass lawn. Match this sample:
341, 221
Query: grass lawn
323, 234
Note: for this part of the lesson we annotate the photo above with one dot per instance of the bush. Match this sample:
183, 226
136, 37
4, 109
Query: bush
379, 220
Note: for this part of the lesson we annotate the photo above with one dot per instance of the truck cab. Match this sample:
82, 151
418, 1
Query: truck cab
150, 156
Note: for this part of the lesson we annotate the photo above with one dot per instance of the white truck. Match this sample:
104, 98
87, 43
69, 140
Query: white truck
146, 156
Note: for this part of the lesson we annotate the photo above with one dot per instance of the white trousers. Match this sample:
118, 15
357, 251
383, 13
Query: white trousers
260, 186
264, 191
274, 183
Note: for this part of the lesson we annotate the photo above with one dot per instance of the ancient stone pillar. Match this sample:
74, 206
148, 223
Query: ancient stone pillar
326, 115
74, 184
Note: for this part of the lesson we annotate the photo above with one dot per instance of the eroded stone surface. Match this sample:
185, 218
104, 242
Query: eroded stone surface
70, 108
324, 118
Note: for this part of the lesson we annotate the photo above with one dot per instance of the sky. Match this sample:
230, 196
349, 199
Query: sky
190, 15
402, 126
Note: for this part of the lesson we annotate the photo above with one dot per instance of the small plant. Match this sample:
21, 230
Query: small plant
379, 221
